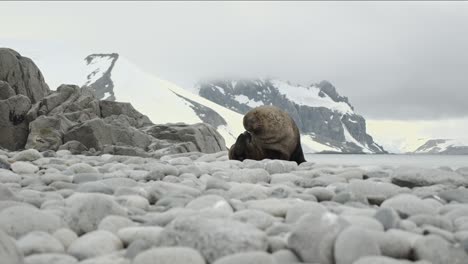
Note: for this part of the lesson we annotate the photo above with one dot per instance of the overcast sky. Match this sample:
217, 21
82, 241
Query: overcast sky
394, 60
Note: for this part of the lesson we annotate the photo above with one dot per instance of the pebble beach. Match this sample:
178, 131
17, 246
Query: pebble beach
59, 208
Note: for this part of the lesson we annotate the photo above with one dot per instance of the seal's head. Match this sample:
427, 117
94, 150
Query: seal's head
239, 151
245, 149
252, 122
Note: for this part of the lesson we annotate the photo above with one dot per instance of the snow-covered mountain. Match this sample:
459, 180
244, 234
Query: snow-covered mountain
164, 101
327, 120
441, 146
115, 78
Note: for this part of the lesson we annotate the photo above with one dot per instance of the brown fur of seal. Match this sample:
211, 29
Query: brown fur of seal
271, 134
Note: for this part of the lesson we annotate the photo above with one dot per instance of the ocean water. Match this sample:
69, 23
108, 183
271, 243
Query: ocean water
423, 161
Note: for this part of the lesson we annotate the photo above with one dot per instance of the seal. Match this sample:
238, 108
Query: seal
271, 134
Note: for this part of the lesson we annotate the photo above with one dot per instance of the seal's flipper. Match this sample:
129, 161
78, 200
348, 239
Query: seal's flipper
298, 155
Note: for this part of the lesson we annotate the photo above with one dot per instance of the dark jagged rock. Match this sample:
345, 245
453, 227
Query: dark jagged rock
323, 124
13, 124
22, 75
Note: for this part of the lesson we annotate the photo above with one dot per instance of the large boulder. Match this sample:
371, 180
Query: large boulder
203, 136
46, 132
213, 237
75, 147
373, 190
85, 211
39, 242
94, 244
97, 133
436, 250
13, 124
75, 103
346, 250
459, 195
22, 75
110, 108
313, 237
9, 251
20, 220
6, 91
408, 205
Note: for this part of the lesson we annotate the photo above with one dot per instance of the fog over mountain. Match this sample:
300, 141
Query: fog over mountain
411, 53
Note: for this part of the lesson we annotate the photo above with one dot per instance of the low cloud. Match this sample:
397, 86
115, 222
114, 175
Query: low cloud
394, 60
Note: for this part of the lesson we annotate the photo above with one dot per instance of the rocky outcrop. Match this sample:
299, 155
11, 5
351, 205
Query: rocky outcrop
75, 103
75, 147
74, 114
22, 75
55, 114
323, 123
203, 136
110, 108
5, 91
46, 132
13, 123
73, 118
96, 133
21, 84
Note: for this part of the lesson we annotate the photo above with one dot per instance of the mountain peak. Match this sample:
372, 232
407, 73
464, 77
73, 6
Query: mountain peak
99, 79
328, 88
325, 118
442, 146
